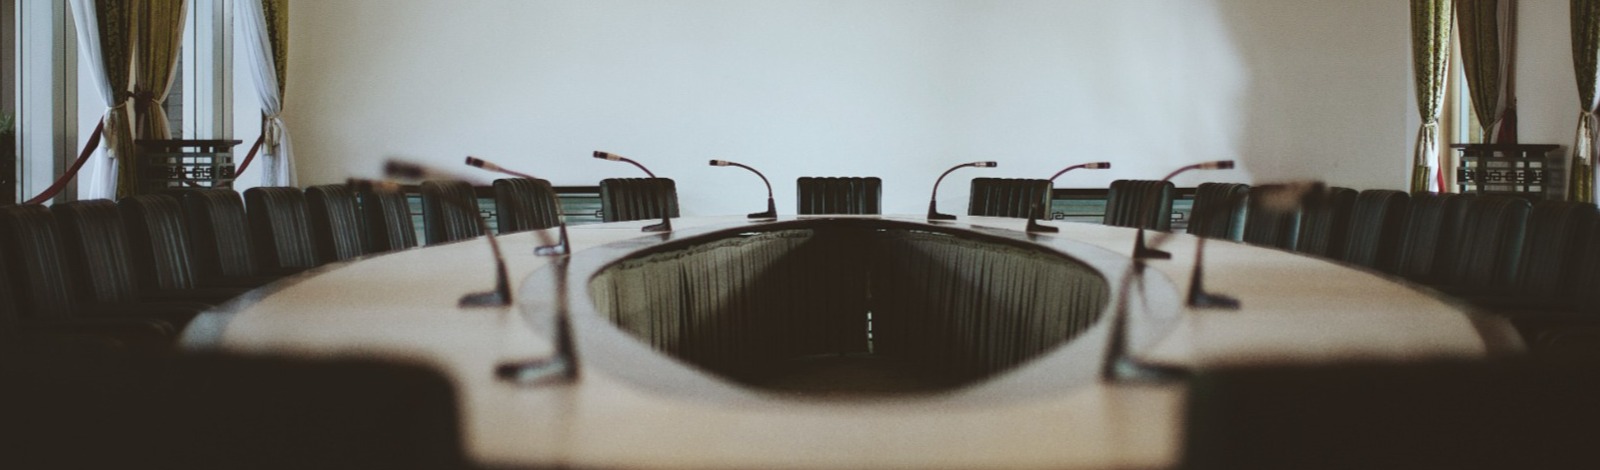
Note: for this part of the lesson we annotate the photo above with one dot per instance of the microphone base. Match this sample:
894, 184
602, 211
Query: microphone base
560, 248
664, 226
1212, 301
483, 300
1127, 370
537, 371
763, 215
1142, 252
935, 215
1035, 227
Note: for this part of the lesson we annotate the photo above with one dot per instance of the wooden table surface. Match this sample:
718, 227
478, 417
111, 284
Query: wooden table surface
636, 408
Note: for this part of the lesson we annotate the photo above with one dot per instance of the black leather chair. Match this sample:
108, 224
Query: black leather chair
224, 249
623, 199
1128, 200
839, 195
1377, 228
1432, 414
1219, 211
211, 411
526, 204
280, 228
1553, 251
449, 211
1010, 197
1489, 254
388, 221
158, 236
100, 258
336, 231
1278, 229
43, 281
1323, 227
1427, 229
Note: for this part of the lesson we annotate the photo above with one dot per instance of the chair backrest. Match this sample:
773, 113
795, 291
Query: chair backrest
220, 234
525, 204
1420, 242
336, 231
449, 211
31, 250
623, 199
839, 195
1490, 251
1262, 226
1424, 414
1129, 200
388, 221
159, 237
1452, 230
98, 247
1553, 249
1377, 225
1219, 211
1323, 227
1010, 197
280, 227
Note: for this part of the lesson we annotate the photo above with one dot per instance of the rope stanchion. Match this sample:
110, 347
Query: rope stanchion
61, 183
250, 156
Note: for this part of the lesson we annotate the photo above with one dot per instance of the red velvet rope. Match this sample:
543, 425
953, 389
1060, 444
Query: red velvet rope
250, 156
61, 183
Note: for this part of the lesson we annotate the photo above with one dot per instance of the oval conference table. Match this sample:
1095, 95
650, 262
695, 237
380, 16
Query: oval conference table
673, 337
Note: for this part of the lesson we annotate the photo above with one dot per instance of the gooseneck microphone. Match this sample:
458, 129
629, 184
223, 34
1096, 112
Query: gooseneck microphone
772, 208
1275, 198
666, 215
933, 201
1118, 364
500, 296
563, 362
1140, 251
1034, 213
561, 246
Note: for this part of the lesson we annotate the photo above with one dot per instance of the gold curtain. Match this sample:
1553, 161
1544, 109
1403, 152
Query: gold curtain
1430, 62
276, 13
116, 52
1586, 63
1487, 53
160, 26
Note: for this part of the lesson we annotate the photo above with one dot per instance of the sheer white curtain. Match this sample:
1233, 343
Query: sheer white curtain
276, 153
98, 179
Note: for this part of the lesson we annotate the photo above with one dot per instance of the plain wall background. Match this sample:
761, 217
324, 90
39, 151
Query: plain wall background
896, 89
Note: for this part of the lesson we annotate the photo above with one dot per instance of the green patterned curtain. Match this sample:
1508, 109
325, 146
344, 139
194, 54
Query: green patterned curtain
116, 51
1586, 62
1430, 62
276, 13
1487, 53
160, 26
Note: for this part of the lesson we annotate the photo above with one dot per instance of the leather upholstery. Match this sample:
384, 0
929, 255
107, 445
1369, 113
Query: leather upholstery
1420, 245
623, 199
1009, 197
1377, 225
159, 238
839, 195
388, 221
525, 204
1270, 228
1557, 233
1491, 245
336, 231
98, 248
1452, 230
220, 234
1219, 211
32, 254
449, 211
280, 227
1128, 200
1324, 227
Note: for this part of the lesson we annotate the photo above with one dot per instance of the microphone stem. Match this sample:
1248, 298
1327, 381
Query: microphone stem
935, 196
641, 167
1067, 169
758, 173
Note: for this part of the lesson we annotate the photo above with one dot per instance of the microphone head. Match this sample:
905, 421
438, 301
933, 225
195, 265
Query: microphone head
1097, 166
1217, 165
404, 170
985, 164
475, 162
607, 156
719, 163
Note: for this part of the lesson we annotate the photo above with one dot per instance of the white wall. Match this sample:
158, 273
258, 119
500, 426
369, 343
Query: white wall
1547, 92
897, 89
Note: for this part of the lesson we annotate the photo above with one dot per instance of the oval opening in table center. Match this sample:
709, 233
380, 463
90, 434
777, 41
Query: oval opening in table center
826, 310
